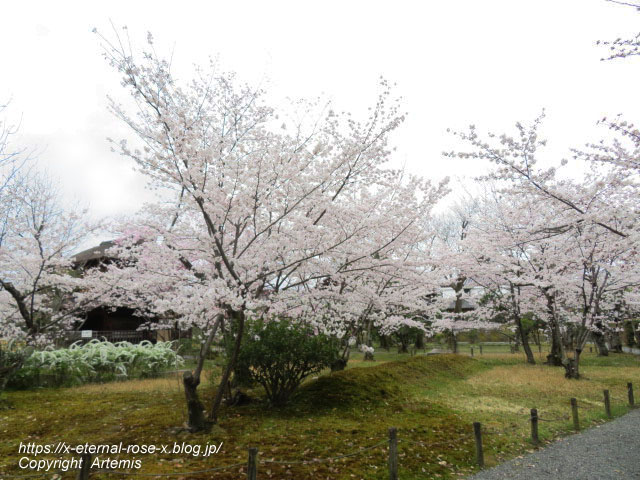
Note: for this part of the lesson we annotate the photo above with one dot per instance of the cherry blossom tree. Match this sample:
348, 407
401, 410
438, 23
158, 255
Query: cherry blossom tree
596, 215
499, 262
452, 230
39, 295
273, 210
571, 240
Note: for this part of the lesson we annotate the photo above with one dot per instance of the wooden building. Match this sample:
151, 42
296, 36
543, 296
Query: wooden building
116, 323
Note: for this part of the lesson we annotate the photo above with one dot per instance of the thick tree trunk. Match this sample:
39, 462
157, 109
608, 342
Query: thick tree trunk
555, 356
524, 339
196, 421
403, 346
600, 342
217, 401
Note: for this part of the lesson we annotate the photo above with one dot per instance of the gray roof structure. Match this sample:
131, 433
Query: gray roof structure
93, 253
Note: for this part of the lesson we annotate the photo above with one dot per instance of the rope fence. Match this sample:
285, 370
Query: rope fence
391, 444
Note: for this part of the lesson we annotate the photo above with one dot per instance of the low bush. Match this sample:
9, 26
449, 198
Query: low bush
280, 354
95, 361
12, 357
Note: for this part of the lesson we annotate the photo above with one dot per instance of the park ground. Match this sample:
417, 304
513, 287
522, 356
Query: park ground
432, 400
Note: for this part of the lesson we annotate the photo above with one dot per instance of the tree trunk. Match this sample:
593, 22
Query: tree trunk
346, 353
572, 365
615, 341
600, 342
215, 407
524, 339
628, 333
403, 346
458, 287
452, 341
555, 356
196, 421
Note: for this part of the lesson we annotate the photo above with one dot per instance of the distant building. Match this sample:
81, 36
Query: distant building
116, 323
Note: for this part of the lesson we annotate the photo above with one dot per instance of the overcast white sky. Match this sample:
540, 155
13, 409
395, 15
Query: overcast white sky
455, 62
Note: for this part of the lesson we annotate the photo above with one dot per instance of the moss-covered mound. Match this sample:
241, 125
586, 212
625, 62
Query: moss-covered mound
385, 382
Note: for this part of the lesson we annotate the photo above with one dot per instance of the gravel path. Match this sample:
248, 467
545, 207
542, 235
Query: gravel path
608, 451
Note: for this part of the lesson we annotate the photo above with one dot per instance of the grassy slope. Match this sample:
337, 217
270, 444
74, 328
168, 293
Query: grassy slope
432, 400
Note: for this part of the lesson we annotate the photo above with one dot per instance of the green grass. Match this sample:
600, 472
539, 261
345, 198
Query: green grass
432, 400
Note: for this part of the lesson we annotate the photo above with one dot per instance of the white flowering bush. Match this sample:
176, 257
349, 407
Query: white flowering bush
95, 361
368, 351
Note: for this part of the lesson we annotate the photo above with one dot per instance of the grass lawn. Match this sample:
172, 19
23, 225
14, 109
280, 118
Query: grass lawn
432, 400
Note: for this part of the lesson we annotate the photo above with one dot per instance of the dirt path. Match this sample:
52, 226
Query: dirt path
608, 451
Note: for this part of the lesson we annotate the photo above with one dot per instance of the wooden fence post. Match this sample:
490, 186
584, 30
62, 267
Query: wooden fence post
607, 403
472, 351
477, 433
480, 349
252, 464
574, 414
630, 394
85, 467
534, 426
393, 453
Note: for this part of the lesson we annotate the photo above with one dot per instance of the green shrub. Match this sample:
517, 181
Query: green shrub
95, 361
280, 354
12, 357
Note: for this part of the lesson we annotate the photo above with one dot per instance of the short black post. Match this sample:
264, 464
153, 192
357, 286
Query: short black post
393, 453
607, 403
630, 394
472, 351
590, 349
252, 464
534, 426
85, 467
477, 432
480, 349
574, 414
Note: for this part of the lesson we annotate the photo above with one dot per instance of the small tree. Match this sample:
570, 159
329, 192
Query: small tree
279, 355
